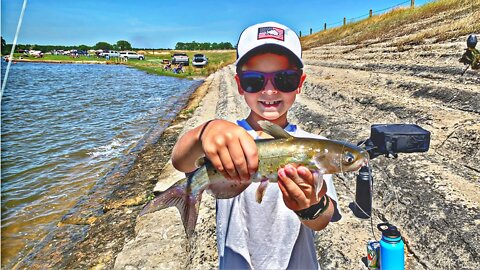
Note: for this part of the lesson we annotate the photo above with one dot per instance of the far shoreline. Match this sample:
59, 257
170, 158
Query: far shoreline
67, 62
94, 62
153, 64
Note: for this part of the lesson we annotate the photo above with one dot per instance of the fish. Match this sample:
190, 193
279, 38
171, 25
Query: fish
321, 156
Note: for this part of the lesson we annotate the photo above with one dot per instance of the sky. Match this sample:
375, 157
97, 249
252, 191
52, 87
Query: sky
161, 23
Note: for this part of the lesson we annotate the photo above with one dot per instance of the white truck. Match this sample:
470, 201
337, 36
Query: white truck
178, 58
131, 55
110, 54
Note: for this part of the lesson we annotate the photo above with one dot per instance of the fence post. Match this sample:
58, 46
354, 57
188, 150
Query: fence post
370, 14
310, 31
300, 33
325, 26
412, 3
344, 21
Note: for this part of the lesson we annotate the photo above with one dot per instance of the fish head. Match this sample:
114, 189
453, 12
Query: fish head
334, 157
352, 158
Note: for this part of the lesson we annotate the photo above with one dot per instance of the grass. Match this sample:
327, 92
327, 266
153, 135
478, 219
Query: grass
216, 60
397, 23
65, 58
153, 62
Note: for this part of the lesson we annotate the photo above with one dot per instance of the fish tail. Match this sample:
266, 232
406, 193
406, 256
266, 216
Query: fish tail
183, 196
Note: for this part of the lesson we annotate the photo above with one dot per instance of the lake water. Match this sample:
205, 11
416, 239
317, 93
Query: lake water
64, 126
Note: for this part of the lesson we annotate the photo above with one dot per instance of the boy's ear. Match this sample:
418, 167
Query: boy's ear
300, 85
239, 87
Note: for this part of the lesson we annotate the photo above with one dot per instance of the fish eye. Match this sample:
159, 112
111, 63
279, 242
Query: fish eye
349, 158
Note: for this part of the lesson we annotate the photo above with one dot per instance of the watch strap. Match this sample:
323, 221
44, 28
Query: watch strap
315, 210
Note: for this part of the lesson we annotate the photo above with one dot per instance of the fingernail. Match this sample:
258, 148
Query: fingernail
281, 173
302, 169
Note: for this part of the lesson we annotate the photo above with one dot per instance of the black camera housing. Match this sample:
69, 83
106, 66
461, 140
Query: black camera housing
390, 139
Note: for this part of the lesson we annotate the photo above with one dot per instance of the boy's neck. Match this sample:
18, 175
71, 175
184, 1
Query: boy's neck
252, 120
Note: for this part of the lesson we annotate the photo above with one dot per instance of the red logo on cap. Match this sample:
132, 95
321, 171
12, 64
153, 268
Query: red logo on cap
271, 32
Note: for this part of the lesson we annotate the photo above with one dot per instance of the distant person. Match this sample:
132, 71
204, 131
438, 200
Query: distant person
178, 69
168, 66
279, 232
471, 56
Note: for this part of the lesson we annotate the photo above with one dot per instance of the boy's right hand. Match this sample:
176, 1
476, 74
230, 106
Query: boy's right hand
231, 150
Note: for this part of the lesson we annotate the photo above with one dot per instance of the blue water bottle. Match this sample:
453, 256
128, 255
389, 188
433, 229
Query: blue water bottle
392, 256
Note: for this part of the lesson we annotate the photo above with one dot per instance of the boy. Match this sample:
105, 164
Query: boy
277, 233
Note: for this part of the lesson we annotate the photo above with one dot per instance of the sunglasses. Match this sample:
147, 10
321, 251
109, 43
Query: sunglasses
283, 80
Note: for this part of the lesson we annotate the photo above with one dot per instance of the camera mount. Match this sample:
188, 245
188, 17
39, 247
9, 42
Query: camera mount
387, 140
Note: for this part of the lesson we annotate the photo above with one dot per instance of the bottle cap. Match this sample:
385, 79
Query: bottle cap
388, 230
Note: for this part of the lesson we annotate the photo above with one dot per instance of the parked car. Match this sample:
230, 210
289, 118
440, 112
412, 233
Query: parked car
109, 54
199, 60
178, 58
36, 54
131, 55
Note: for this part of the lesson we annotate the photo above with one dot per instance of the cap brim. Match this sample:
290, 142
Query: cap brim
275, 48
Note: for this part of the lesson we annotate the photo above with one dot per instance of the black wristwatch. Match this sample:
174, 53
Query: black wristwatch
315, 210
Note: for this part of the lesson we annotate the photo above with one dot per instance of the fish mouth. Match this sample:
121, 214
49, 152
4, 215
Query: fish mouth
366, 158
364, 161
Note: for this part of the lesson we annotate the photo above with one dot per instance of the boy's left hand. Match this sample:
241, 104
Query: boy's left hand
297, 186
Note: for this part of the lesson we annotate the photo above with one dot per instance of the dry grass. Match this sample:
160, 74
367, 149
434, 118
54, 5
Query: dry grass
441, 20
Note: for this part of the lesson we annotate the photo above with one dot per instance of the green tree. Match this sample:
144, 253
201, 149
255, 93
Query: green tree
103, 46
225, 46
205, 46
4, 46
123, 45
83, 47
180, 46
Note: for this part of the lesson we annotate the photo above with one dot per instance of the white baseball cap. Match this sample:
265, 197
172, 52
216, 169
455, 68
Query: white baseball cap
271, 34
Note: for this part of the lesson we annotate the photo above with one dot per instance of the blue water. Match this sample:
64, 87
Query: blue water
64, 126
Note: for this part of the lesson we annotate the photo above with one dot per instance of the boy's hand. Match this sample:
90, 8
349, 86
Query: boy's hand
231, 150
297, 186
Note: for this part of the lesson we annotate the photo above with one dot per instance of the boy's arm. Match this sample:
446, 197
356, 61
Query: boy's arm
230, 148
298, 192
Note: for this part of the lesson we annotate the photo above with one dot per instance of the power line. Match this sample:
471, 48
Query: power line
337, 23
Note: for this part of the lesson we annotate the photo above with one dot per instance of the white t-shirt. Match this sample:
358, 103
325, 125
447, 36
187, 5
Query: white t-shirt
266, 235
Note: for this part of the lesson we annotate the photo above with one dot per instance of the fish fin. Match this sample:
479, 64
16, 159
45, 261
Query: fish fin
317, 182
181, 196
273, 130
261, 191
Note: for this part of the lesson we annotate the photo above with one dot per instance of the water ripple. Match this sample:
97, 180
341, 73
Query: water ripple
63, 127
